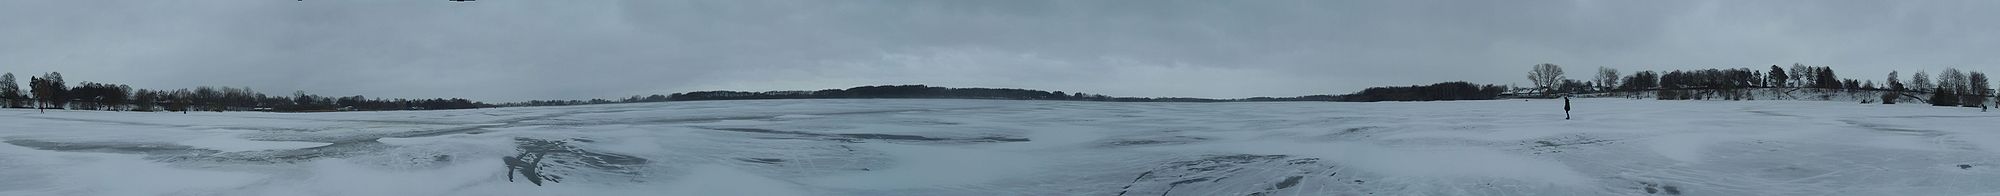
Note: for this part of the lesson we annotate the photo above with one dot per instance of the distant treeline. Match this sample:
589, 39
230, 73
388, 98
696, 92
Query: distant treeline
921, 91
633, 99
1435, 92
1952, 87
1445, 91
49, 91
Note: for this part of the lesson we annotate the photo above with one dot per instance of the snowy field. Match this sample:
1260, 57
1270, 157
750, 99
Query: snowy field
990, 147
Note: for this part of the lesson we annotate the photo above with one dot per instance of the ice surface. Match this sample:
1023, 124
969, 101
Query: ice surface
991, 147
932, 166
235, 143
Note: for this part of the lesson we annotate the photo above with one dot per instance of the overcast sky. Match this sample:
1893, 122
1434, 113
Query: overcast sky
513, 50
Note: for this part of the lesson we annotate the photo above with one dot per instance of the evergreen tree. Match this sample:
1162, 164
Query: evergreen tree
1977, 90
1827, 79
49, 91
1941, 96
1978, 84
36, 89
1777, 76
1890, 97
58, 90
1801, 75
1895, 85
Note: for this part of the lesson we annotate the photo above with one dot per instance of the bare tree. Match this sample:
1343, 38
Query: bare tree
1607, 77
1953, 80
10, 92
1546, 76
1921, 82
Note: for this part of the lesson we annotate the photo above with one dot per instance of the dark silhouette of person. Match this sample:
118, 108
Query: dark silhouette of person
1565, 107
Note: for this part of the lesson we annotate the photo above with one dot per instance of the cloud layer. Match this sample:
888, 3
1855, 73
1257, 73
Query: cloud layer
520, 50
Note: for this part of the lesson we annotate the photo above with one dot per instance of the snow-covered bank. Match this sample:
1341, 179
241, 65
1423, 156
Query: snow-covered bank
993, 147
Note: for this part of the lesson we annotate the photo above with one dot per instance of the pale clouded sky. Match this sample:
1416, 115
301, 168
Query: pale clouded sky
512, 50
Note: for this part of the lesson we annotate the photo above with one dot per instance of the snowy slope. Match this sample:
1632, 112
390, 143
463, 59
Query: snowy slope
987, 147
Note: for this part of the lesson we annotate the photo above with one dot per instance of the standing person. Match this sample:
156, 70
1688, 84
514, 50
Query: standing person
1565, 107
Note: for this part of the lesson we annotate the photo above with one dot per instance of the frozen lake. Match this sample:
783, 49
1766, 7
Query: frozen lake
993, 147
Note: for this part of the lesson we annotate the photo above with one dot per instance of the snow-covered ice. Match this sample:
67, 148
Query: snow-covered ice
995, 147
235, 143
